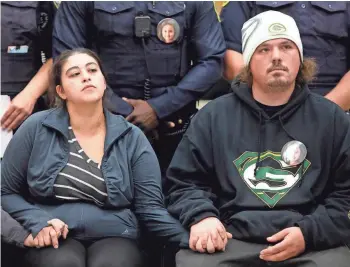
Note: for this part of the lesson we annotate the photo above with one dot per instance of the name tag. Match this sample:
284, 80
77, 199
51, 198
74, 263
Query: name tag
23, 49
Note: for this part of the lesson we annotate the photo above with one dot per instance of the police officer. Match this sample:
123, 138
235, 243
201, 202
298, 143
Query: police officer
25, 43
160, 57
325, 33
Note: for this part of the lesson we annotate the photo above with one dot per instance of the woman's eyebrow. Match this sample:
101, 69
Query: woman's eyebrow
76, 67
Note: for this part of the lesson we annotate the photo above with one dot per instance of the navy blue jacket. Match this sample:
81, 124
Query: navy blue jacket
324, 29
180, 72
38, 152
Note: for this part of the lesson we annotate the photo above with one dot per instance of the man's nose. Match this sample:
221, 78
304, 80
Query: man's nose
276, 54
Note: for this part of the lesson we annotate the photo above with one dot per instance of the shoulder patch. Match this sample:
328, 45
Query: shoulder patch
218, 5
225, 3
57, 4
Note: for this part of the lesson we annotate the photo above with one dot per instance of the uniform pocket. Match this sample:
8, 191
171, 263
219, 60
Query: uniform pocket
19, 68
18, 23
282, 6
329, 18
114, 18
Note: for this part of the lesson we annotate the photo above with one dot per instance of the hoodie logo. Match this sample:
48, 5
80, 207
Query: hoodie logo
274, 179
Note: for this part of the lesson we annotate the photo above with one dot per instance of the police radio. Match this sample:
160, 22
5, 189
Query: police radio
142, 30
142, 26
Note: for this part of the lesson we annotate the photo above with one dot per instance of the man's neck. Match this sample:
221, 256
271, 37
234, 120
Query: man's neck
271, 97
86, 118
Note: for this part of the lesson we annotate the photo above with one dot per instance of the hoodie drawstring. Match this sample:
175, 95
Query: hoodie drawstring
293, 138
258, 163
257, 166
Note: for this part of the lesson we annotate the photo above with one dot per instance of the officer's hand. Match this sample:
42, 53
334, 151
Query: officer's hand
20, 108
143, 115
292, 245
208, 235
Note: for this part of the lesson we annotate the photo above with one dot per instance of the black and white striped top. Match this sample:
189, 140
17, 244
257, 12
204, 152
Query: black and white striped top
81, 179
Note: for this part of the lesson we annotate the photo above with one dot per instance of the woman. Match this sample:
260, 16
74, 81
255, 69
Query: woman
168, 30
91, 169
168, 33
293, 155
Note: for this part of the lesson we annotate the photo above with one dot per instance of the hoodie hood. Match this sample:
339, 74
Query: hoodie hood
298, 97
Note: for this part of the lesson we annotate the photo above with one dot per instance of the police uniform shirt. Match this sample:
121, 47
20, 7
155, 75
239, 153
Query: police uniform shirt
26, 41
108, 28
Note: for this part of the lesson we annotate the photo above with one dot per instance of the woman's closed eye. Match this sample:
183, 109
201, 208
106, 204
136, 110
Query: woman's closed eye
93, 70
74, 74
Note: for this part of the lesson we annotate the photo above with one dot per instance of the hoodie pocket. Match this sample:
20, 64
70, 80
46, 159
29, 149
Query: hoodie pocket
258, 225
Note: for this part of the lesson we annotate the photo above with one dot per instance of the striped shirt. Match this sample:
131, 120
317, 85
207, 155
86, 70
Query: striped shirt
81, 179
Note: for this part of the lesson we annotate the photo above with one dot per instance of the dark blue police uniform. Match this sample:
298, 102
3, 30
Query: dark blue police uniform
26, 38
324, 28
170, 76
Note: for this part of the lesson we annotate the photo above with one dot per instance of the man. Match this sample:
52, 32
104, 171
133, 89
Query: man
325, 33
229, 173
155, 82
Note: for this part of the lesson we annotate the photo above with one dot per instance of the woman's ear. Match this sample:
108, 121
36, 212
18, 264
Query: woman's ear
60, 92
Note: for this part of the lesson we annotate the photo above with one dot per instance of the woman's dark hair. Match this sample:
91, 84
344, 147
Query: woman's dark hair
56, 73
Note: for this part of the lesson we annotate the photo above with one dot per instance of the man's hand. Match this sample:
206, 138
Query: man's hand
292, 245
143, 115
49, 235
60, 227
20, 108
208, 235
46, 237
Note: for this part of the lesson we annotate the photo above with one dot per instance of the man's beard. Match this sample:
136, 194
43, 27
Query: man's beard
278, 84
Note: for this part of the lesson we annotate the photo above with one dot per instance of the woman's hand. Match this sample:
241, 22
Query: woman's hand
29, 241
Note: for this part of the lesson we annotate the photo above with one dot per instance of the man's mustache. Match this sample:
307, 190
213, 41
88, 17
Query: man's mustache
277, 67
